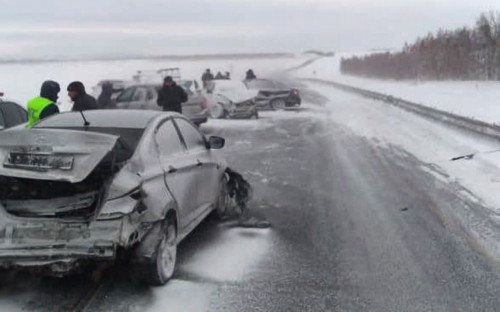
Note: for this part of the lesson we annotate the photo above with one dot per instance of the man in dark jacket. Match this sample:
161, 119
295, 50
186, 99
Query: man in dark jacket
81, 100
171, 96
104, 100
206, 77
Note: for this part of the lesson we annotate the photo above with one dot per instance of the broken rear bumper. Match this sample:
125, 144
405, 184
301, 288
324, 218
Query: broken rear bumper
59, 246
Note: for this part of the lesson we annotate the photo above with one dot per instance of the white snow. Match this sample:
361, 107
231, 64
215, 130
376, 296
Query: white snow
475, 99
233, 255
430, 142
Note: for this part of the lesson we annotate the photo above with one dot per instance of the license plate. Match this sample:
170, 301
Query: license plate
39, 162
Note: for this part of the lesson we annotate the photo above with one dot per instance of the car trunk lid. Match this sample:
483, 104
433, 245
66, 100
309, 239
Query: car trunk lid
51, 154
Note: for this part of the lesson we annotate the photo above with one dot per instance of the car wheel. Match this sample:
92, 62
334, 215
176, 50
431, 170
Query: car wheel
278, 104
223, 204
217, 111
160, 268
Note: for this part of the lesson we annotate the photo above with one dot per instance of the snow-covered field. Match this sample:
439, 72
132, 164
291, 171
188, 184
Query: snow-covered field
21, 81
475, 99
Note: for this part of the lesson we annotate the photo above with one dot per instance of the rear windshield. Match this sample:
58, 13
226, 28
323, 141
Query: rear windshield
129, 137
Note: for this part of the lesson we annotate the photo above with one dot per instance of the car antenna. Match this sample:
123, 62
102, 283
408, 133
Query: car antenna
85, 121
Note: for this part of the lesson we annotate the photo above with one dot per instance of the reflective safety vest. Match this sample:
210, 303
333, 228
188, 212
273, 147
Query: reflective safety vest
35, 107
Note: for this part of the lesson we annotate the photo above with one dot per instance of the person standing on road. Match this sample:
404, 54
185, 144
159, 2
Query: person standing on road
81, 100
45, 105
104, 100
206, 77
171, 96
219, 76
250, 75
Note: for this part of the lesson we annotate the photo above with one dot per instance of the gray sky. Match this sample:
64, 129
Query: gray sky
103, 28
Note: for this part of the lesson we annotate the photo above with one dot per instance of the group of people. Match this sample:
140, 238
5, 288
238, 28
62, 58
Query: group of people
208, 76
170, 97
45, 104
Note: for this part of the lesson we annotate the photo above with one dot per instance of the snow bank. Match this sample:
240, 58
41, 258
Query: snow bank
474, 99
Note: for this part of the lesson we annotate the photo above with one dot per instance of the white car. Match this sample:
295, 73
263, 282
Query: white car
231, 98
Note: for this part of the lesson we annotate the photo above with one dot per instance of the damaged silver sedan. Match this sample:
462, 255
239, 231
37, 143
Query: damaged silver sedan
78, 190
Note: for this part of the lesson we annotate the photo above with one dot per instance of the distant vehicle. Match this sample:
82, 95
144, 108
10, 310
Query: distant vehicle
144, 96
118, 87
78, 190
273, 94
231, 98
152, 75
11, 114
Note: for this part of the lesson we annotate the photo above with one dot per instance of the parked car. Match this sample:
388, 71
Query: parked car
231, 98
273, 94
118, 87
11, 114
77, 190
144, 96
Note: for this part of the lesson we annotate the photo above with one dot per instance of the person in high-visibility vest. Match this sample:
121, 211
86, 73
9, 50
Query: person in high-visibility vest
44, 105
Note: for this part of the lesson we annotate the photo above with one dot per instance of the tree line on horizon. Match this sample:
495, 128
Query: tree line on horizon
461, 54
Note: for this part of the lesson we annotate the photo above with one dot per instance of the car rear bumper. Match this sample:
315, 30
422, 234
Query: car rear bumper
242, 111
55, 245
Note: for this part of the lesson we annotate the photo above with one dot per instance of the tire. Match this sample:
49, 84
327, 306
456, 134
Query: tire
160, 268
217, 111
278, 104
223, 203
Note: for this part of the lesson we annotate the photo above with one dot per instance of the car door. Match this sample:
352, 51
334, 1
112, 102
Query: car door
125, 98
139, 98
179, 170
206, 166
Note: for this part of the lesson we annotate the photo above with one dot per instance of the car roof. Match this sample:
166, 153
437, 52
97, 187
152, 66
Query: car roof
106, 118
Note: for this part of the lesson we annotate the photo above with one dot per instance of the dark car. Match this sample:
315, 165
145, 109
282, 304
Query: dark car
78, 190
273, 94
11, 115
144, 96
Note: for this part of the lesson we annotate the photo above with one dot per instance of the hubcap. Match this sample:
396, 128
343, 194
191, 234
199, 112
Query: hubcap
279, 104
168, 252
216, 111
224, 198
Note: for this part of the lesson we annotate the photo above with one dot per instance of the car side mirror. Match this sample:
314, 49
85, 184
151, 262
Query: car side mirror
216, 142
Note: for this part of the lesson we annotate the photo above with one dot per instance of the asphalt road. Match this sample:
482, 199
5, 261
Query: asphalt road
355, 227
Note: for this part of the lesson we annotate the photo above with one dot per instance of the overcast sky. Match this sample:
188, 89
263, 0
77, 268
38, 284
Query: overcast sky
74, 28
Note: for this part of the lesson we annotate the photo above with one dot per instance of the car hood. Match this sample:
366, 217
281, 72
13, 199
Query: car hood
52, 154
237, 96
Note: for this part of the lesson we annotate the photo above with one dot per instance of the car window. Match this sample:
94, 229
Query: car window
168, 140
193, 138
150, 94
14, 114
126, 95
139, 95
2, 120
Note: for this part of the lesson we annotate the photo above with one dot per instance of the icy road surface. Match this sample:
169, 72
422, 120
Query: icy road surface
360, 223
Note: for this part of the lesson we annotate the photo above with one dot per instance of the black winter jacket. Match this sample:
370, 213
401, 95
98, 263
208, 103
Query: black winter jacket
171, 98
84, 102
